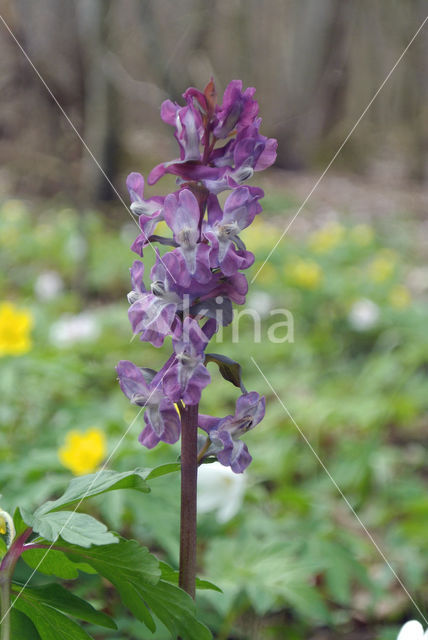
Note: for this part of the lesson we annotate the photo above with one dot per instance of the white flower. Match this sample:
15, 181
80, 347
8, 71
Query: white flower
70, 329
364, 315
76, 247
220, 490
412, 630
260, 302
417, 279
48, 285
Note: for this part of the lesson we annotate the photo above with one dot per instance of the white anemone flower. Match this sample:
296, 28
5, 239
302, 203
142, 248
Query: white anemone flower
220, 490
260, 302
364, 315
69, 329
412, 630
48, 285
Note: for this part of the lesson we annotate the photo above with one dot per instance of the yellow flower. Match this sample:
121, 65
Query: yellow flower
306, 274
83, 452
7, 527
400, 297
15, 329
9, 238
13, 211
362, 234
383, 266
267, 274
260, 235
326, 238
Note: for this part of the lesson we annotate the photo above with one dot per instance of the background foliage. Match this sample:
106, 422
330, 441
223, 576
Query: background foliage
294, 556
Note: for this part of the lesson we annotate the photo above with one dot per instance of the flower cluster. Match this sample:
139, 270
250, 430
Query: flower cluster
194, 284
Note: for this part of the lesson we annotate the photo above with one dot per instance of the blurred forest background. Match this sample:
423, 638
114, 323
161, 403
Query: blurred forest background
292, 560
315, 63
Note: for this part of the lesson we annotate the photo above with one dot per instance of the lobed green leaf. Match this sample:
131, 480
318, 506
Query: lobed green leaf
22, 627
76, 528
55, 563
171, 575
95, 484
135, 573
163, 470
55, 596
50, 623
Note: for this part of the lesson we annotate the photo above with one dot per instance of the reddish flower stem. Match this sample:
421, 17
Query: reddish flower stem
189, 476
7, 567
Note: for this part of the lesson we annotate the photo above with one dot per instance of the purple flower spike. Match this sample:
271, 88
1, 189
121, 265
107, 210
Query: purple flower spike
153, 313
238, 109
186, 379
182, 215
225, 433
200, 275
161, 417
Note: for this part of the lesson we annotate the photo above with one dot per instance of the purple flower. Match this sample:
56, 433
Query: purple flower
237, 161
188, 376
161, 417
139, 206
238, 109
147, 226
187, 170
225, 167
252, 152
225, 433
182, 215
153, 313
188, 128
228, 250
234, 287
149, 211
189, 133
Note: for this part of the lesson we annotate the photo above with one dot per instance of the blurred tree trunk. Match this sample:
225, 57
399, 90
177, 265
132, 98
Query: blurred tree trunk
417, 101
316, 87
100, 111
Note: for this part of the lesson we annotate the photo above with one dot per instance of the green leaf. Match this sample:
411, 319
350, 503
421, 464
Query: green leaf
50, 623
127, 565
22, 627
171, 575
95, 484
19, 523
132, 598
55, 563
126, 559
163, 470
55, 596
135, 573
75, 528
308, 602
176, 609
229, 369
